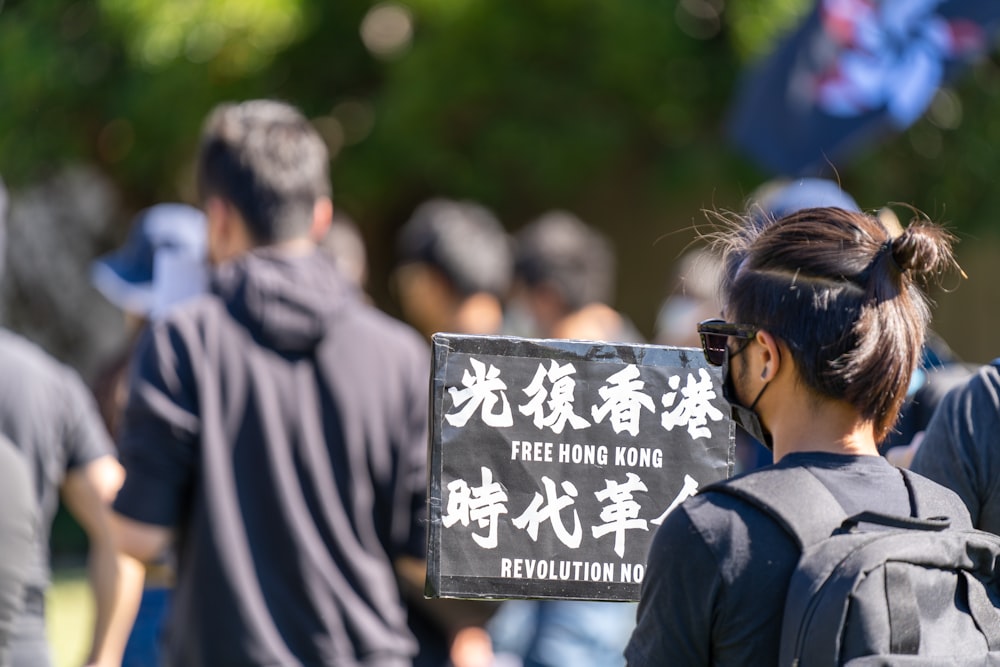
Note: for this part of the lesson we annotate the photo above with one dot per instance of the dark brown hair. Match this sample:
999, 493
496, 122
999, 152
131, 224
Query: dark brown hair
845, 295
264, 158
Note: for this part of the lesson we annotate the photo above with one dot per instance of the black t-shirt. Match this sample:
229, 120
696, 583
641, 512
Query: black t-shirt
718, 568
280, 424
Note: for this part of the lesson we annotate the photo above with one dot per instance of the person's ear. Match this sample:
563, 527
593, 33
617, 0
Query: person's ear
770, 355
228, 235
217, 227
322, 218
216, 209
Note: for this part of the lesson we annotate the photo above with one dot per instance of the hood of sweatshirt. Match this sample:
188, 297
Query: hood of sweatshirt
287, 302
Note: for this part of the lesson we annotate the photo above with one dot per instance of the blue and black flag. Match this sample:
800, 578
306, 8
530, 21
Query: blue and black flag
853, 72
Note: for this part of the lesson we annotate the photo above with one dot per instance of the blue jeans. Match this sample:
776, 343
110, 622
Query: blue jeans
556, 633
143, 648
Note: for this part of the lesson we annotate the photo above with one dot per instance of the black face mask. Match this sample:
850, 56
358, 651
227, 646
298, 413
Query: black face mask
744, 417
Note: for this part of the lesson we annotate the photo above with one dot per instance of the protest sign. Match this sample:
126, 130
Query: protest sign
553, 462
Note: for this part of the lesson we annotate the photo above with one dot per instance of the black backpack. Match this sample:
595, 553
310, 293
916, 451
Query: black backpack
875, 589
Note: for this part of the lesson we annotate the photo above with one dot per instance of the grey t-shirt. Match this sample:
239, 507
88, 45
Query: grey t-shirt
718, 568
48, 413
18, 524
961, 446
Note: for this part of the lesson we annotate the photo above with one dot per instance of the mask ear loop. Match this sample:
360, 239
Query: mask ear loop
766, 385
745, 418
759, 394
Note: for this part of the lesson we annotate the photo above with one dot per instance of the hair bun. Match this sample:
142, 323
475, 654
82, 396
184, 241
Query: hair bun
922, 248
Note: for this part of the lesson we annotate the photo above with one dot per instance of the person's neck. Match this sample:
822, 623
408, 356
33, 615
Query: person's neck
292, 247
595, 321
479, 313
810, 425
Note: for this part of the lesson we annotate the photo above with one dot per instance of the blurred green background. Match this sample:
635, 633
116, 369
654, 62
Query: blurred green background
610, 109
69, 616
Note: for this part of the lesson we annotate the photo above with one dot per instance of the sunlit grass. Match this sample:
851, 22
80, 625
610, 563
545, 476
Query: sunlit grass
69, 616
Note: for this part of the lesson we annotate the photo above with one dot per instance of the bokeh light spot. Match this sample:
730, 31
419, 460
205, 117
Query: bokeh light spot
387, 29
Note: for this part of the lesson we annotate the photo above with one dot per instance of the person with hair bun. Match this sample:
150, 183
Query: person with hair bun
825, 317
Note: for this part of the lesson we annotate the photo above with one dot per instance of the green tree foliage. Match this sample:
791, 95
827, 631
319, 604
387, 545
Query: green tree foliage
611, 109
504, 101
126, 84
527, 103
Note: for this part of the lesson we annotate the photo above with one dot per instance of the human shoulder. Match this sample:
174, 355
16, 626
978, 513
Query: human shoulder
172, 345
959, 439
380, 328
935, 499
715, 577
17, 350
38, 372
188, 322
203, 307
990, 373
977, 395
724, 522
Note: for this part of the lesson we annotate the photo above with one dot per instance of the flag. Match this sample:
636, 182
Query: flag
851, 74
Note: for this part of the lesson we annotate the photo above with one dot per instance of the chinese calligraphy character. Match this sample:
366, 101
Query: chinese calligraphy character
695, 407
481, 388
537, 513
482, 504
689, 489
560, 398
622, 513
623, 400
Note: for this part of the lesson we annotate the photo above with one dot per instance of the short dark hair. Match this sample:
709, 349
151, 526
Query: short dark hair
266, 159
461, 239
561, 251
844, 295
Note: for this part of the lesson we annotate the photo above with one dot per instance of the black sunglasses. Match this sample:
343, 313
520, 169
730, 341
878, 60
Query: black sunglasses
713, 334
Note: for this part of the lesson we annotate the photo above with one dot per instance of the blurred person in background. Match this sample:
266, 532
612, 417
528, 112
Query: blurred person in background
453, 270
162, 263
50, 416
565, 277
454, 266
693, 296
939, 372
276, 428
960, 448
564, 282
345, 244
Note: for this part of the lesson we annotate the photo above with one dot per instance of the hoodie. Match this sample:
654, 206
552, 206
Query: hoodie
279, 424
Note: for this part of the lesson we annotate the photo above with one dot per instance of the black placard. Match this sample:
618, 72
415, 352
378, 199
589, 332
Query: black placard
553, 462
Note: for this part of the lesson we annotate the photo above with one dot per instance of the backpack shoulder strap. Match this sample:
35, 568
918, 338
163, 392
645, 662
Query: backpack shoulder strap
793, 497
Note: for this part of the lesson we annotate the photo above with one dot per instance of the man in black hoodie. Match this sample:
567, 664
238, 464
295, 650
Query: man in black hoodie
276, 427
